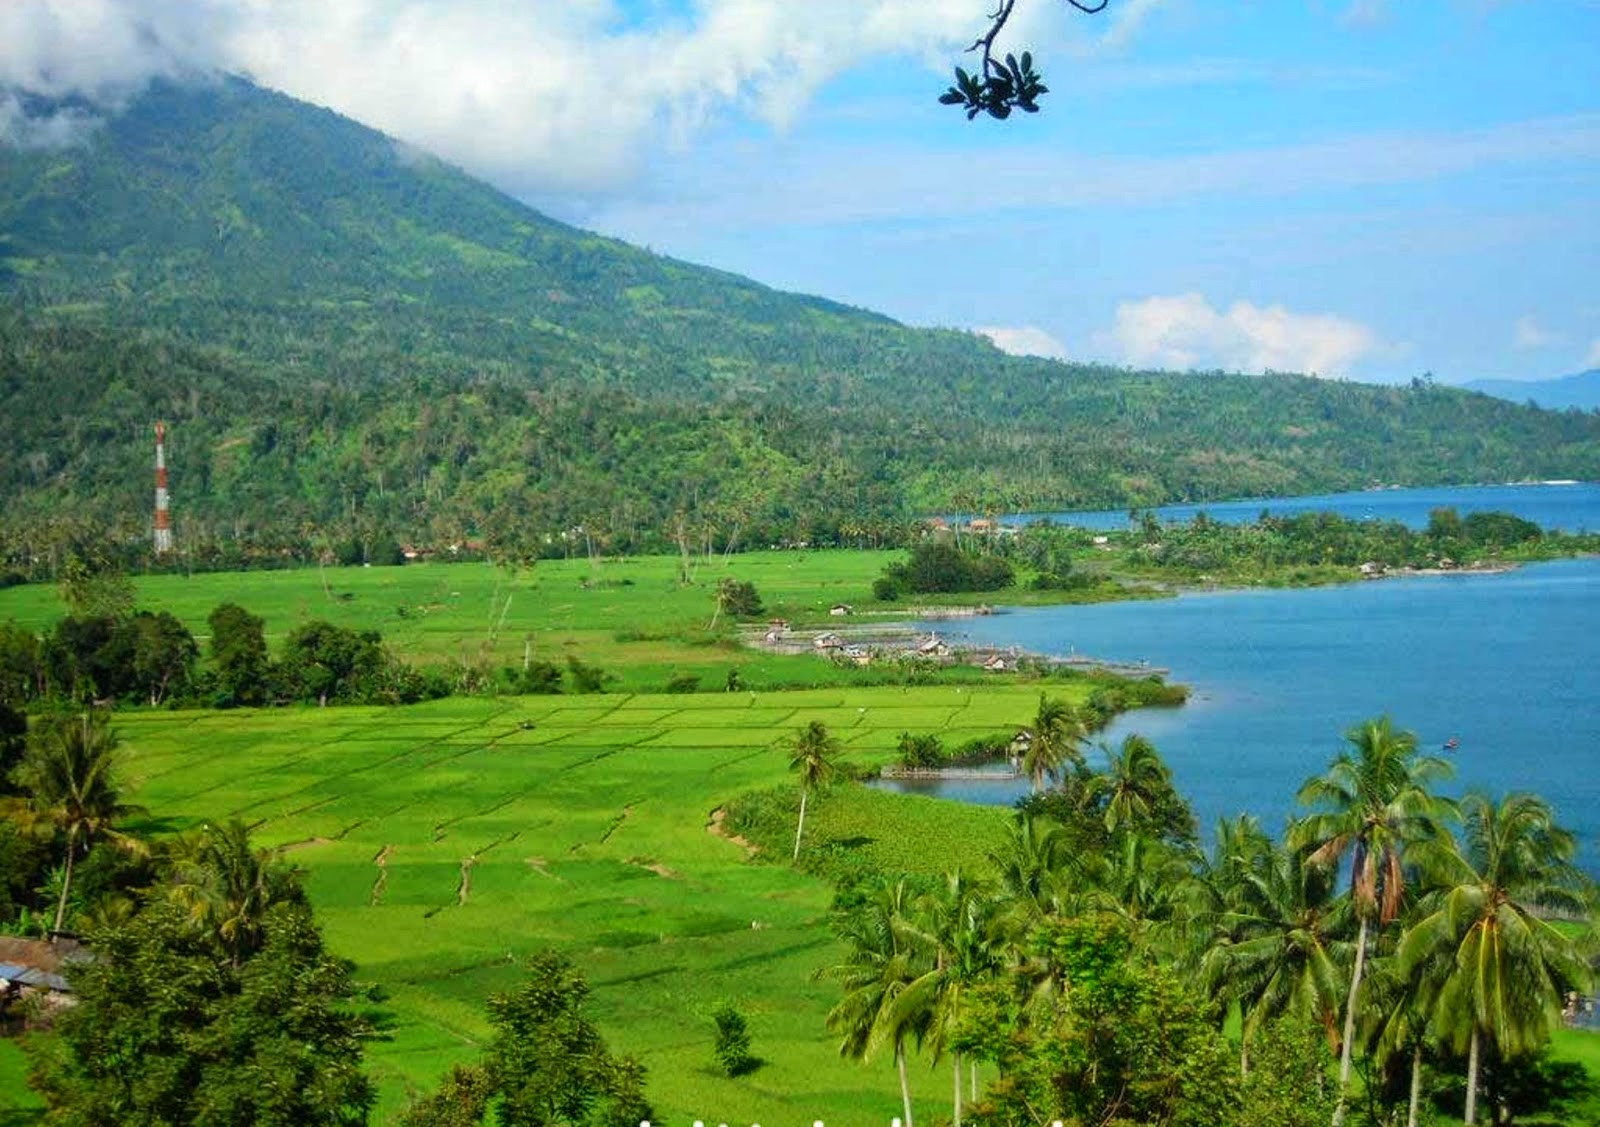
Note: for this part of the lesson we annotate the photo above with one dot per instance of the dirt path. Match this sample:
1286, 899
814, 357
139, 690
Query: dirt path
715, 827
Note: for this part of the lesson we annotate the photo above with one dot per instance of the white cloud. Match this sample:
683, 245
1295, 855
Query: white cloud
1592, 360
1529, 334
1186, 331
538, 95
1025, 340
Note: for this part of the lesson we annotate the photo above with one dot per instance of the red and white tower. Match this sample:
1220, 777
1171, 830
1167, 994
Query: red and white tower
163, 512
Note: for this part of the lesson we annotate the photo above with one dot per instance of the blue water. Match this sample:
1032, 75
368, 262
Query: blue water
1508, 665
1571, 508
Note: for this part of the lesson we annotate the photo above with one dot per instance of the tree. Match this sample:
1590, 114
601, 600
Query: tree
67, 776
996, 87
814, 758
739, 599
1280, 942
325, 661
882, 959
461, 1101
168, 1030
548, 1064
1138, 793
1378, 806
239, 651
1510, 969
1052, 741
227, 887
1110, 1037
959, 924
732, 1046
160, 654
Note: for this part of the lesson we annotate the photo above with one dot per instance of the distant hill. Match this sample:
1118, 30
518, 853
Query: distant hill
1581, 391
348, 336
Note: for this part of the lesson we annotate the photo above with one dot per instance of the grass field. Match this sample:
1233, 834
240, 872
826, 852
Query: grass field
444, 842
631, 617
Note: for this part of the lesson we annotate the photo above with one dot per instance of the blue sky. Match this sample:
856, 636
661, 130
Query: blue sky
1415, 186
1362, 188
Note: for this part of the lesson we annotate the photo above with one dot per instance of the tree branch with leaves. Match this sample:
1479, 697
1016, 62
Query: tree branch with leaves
1000, 85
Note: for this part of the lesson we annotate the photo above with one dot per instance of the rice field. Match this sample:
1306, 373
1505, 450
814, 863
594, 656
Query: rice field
444, 842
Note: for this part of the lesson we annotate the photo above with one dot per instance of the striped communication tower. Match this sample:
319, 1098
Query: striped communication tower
163, 511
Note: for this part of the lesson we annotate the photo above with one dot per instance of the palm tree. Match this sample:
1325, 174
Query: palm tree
228, 887
882, 959
1509, 969
1378, 805
959, 924
67, 777
814, 755
1035, 848
1053, 740
1279, 943
1139, 794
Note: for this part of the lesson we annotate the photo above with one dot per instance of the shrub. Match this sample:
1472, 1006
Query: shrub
920, 751
732, 1050
683, 683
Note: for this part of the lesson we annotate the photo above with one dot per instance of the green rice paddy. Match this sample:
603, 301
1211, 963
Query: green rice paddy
443, 843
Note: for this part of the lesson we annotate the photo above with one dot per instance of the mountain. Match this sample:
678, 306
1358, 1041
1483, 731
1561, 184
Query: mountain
347, 337
1581, 391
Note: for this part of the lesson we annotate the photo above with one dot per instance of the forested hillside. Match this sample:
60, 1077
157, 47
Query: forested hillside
350, 338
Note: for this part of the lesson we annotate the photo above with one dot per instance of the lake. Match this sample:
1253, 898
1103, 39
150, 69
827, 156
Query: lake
1507, 665
1570, 507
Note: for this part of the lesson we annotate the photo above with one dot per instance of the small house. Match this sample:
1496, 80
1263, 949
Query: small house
828, 641
839, 610
996, 664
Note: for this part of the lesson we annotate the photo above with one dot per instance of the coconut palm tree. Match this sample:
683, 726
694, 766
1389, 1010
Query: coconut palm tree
1138, 792
883, 957
67, 775
1280, 943
1376, 806
1509, 968
1053, 740
960, 925
1035, 848
814, 757
227, 887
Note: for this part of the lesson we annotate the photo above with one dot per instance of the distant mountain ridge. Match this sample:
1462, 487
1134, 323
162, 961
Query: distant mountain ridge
1581, 390
346, 334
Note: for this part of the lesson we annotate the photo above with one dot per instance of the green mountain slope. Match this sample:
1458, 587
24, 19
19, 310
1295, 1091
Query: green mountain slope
346, 336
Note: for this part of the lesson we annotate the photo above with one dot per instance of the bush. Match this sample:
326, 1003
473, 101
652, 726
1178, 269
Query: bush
732, 1049
739, 599
538, 677
884, 589
586, 678
936, 566
683, 683
920, 751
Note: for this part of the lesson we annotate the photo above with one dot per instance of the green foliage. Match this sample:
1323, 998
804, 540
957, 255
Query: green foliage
731, 1049
920, 750
937, 565
324, 662
168, 1030
239, 653
1119, 1039
585, 678
461, 1101
683, 683
739, 598
1287, 1085
548, 1064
